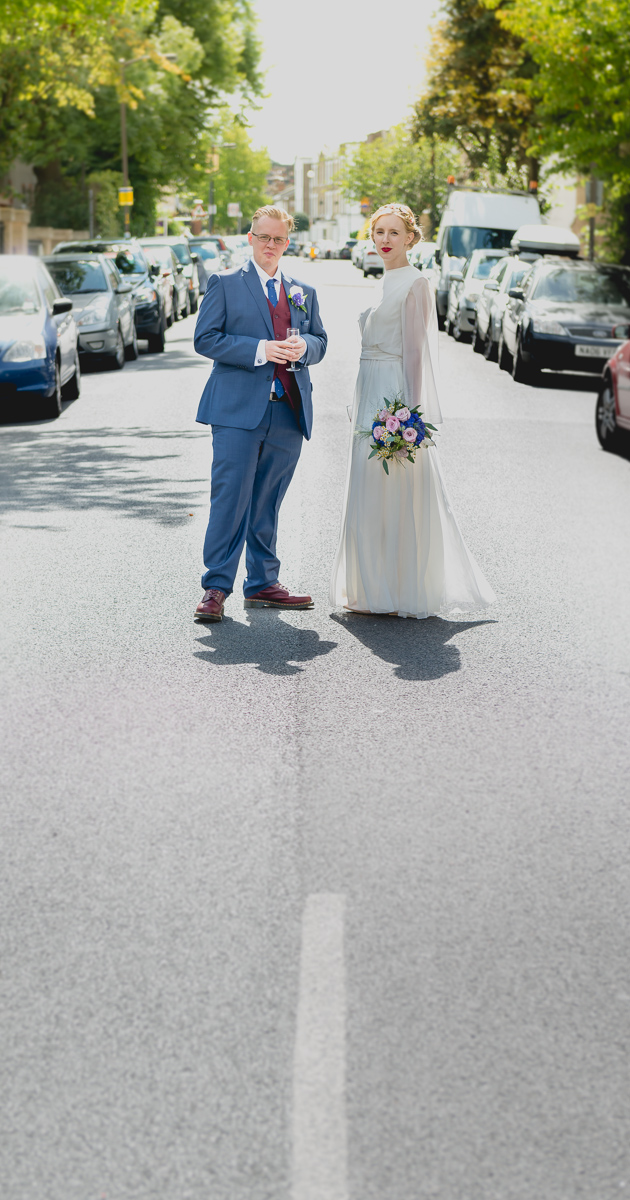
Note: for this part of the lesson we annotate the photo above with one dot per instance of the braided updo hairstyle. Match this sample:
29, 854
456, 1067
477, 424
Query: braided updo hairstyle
406, 216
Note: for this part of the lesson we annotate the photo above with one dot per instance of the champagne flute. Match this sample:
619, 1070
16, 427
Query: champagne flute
293, 333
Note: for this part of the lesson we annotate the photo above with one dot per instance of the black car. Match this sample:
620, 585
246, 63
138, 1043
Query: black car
131, 261
346, 249
562, 317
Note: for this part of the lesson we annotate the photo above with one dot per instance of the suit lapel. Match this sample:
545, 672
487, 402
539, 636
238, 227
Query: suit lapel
297, 316
253, 282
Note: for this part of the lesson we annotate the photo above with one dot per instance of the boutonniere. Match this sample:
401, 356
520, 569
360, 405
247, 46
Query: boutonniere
297, 297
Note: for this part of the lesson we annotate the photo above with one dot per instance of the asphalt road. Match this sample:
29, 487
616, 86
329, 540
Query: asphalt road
312, 906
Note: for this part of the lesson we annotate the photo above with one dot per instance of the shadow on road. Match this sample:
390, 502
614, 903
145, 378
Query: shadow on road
45, 468
267, 642
418, 649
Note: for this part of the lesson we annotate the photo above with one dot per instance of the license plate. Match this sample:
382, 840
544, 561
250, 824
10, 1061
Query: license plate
594, 351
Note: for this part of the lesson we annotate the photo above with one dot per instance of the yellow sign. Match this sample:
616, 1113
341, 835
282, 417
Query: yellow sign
125, 196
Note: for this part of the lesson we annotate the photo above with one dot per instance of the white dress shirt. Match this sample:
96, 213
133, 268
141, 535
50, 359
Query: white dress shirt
261, 354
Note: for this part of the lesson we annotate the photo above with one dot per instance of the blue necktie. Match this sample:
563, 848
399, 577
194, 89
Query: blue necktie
273, 300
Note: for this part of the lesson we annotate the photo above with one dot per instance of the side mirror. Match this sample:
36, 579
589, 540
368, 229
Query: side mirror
179, 269
123, 289
621, 332
438, 257
516, 294
195, 258
491, 286
61, 306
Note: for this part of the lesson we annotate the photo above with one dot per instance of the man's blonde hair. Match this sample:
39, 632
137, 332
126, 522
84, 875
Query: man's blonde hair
276, 214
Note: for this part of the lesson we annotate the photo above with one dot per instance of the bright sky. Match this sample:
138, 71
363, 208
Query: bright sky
337, 70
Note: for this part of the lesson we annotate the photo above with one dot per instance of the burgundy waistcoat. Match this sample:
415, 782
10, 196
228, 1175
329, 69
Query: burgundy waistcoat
282, 318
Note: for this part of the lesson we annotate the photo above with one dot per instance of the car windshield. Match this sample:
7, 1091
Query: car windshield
205, 249
461, 240
518, 274
84, 275
182, 253
159, 254
17, 295
484, 267
603, 286
129, 259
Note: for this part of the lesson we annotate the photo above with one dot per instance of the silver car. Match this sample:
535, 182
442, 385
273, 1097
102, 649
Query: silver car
491, 304
103, 306
465, 286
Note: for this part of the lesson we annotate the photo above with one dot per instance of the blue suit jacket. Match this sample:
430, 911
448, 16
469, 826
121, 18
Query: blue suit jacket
233, 317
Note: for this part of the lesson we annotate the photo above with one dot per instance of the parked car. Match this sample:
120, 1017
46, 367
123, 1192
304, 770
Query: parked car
39, 355
149, 295
239, 247
162, 254
420, 254
474, 220
292, 249
103, 306
345, 249
371, 262
356, 254
612, 411
562, 317
186, 259
505, 274
464, 292
210, 260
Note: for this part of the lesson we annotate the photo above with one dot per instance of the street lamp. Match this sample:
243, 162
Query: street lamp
214, 158
127, 62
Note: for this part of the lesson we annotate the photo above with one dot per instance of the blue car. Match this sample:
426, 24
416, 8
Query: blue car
39, 357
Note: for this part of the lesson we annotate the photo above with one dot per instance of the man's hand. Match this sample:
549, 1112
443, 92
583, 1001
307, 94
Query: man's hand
287, 351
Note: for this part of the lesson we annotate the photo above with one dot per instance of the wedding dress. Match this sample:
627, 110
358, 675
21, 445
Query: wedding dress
401, 549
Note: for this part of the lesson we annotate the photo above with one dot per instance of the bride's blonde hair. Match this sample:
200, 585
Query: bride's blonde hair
406, 216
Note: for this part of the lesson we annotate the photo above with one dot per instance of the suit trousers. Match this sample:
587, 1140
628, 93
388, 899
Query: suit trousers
251, 471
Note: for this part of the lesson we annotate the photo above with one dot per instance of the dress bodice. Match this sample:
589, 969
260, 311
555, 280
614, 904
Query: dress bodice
382, 324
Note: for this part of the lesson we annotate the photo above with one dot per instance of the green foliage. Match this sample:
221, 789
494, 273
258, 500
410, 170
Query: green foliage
108, 220
302, 222
241, 177
581, 91
61, 87
478, 88
397, 168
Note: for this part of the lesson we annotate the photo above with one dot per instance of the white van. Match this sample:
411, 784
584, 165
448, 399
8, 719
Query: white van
475, 220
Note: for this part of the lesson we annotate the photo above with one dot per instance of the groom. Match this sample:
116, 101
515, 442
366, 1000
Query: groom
259, 412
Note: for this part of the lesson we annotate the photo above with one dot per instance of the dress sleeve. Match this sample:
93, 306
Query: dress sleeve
420, 351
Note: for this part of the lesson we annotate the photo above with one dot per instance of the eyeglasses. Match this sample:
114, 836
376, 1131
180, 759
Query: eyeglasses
262, 237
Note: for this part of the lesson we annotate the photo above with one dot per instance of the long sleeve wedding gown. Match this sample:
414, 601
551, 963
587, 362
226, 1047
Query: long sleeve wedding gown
401, 549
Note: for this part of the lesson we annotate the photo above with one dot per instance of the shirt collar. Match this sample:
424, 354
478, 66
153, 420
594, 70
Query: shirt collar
264, 277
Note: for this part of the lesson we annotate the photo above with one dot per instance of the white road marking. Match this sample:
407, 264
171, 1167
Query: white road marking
319, 1062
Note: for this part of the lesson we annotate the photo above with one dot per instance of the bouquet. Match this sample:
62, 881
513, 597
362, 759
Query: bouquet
398, 432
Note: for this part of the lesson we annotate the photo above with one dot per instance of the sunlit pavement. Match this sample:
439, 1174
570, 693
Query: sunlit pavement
309, 905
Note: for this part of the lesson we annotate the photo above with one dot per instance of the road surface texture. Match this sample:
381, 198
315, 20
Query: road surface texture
313, 906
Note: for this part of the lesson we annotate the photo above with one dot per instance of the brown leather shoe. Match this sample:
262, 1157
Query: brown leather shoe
211, 607
277, 596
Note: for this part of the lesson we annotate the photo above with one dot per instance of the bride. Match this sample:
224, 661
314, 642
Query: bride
401, 551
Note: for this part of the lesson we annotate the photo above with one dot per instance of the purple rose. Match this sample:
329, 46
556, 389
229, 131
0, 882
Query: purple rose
409, 435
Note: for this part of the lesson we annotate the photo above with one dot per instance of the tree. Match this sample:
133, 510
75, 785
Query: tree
397, 168
478, 90
242, 174
302, 222
581, 91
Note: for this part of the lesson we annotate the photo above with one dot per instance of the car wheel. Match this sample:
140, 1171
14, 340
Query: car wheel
478, 343
117, 359
522, 372
365, 274
194, 305
131, 351
157, 341
72, 389
50, 407
607, 429
186, 309
490, 347
503, 355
